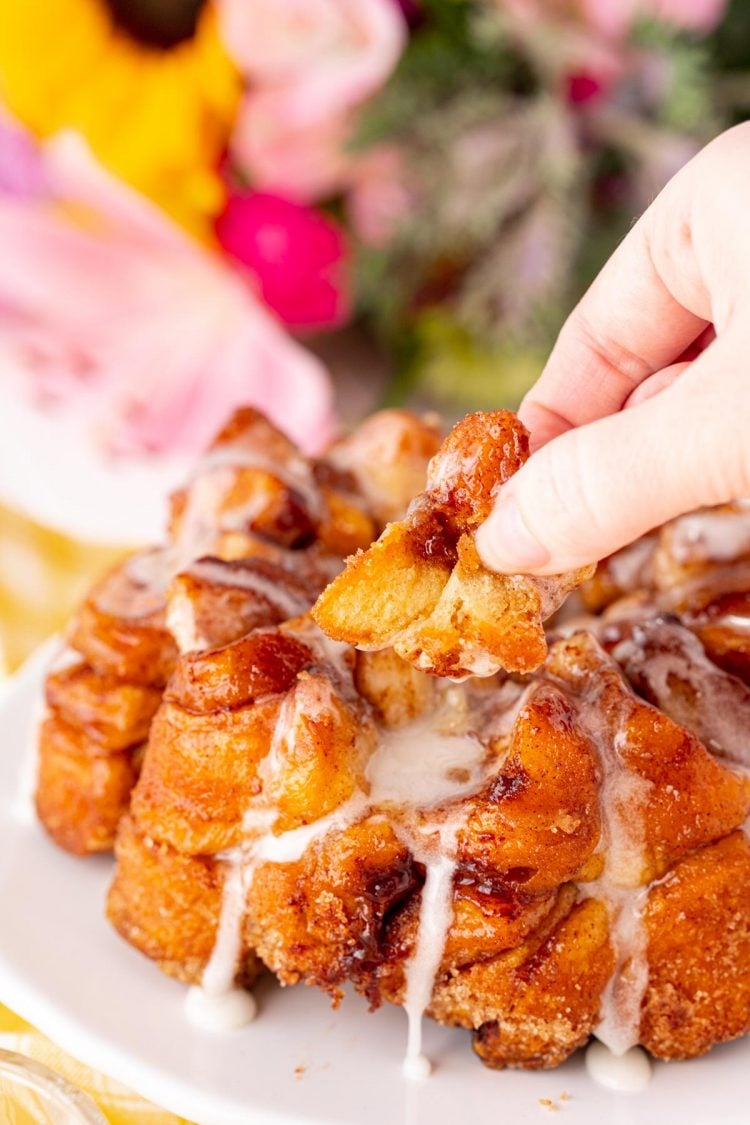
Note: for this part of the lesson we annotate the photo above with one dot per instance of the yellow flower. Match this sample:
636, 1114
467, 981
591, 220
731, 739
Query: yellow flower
147, 82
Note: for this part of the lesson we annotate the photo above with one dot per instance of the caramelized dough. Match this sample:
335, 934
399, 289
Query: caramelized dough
698, 922
171, 909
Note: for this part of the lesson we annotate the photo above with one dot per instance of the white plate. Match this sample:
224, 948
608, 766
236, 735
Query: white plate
300, 1063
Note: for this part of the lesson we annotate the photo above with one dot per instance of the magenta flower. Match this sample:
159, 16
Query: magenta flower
297, 255
124, 345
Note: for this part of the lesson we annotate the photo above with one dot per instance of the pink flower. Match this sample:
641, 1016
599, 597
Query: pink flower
324, 55
297, 255
613, 19
309, 63
585, 44
379, 198
125, 345
21, 166
302, 162
695, 15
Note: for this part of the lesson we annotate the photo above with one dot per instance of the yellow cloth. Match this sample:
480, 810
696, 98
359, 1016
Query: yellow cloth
43, 576
118, 1104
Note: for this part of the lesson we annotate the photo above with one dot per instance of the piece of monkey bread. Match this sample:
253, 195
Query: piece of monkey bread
422, 590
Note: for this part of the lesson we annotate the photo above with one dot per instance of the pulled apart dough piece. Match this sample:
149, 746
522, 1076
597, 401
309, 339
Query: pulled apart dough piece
422, 589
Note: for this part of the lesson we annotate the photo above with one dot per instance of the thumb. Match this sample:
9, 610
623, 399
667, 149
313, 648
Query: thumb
595, 488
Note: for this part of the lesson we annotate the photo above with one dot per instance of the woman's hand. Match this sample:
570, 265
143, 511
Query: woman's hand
643, 409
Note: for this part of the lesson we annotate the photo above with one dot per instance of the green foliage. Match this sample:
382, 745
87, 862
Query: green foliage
460, 373
518, 193
445, 61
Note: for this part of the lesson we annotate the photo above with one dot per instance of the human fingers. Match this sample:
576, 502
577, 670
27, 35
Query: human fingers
599, 486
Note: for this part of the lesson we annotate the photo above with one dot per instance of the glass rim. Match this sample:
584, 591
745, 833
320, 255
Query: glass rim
59, 1090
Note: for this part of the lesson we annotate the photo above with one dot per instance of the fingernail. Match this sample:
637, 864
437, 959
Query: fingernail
505, 543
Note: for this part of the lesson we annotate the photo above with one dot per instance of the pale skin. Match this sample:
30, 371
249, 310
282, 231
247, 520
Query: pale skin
642, 411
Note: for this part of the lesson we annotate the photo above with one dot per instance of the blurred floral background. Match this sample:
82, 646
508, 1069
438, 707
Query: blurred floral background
316, 206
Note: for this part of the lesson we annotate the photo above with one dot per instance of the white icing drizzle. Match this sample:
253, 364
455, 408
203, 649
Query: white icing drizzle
435, 917
719, 713
217, 982
199, 524
713, 535
619, 1024
737, 622
202, 521
628, 1073
294, 472
476, 660
335, 654
418, 765
291, 602
218, 975
260, 844
623, 795
291, 846
418, 768
182, 624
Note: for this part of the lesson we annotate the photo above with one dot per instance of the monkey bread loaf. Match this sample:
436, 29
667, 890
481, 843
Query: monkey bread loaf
413, 785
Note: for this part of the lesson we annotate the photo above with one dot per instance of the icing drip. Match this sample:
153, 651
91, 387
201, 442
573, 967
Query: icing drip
435, 917
628, 1073
219, 973
225, 1011
217, 982
335, 654
416, 768
261, 845
619, 1023
290, 846
198, 526
623, 797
